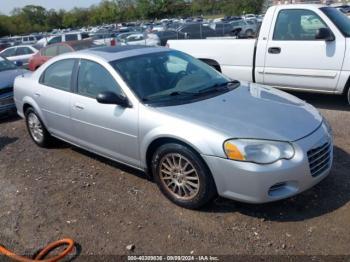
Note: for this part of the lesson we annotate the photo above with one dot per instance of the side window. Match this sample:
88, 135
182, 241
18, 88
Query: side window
9, 52
62, 49
57, 39
297, 25
50, 51
59, 75
24, 51
71, 37
94, 79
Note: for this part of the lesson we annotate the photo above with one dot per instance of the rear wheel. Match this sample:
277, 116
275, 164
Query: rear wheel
249, 33
36, 128
348, 95
182, 176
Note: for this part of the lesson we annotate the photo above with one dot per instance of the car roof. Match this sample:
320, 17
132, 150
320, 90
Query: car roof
111, 53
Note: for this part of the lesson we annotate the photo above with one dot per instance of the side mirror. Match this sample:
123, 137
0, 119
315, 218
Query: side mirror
108, 97
19, 63
325, 34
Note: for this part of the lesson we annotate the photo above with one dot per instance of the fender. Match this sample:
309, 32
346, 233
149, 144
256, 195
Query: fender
191, 139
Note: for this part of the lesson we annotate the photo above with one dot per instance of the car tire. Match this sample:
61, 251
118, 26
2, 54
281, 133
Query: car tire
348, 95
182, 176
249, 33
37, 129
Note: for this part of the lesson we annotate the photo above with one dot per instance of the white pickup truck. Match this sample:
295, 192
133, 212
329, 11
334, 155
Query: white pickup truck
300, 47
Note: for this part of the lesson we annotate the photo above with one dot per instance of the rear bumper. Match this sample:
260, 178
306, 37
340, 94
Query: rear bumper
253, 183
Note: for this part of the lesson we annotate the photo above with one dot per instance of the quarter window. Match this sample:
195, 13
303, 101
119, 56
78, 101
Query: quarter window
59, 75
94, 79
297, 24
24, 51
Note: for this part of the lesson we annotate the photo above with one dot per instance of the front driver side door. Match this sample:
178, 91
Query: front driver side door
109, 130
295, 58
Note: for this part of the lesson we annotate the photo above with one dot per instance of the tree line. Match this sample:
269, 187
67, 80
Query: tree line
33, 18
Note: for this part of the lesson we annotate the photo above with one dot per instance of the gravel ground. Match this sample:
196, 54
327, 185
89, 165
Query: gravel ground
47, 194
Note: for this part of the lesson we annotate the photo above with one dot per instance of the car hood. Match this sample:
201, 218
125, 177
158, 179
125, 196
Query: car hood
7, 77
252, 111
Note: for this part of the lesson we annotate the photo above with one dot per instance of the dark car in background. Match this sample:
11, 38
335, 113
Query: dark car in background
8, 72
53, 50
196, 31
164, 36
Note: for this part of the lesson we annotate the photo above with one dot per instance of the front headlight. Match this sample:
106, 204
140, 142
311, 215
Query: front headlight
258, 151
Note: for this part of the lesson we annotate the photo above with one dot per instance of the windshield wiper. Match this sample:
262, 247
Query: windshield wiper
220, 87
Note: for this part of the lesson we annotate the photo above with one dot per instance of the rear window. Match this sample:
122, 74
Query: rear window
341, 21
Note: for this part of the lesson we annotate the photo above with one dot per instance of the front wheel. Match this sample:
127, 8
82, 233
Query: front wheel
182, 176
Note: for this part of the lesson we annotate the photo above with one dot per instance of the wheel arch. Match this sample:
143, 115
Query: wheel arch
29, 102
156, 143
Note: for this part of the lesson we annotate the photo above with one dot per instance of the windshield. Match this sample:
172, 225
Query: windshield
169, 75
6, 65
341, 21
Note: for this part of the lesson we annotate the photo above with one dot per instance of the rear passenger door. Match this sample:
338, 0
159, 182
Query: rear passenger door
54, 95
110, 130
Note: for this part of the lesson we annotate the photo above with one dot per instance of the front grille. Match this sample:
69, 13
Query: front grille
6, 90
319, 159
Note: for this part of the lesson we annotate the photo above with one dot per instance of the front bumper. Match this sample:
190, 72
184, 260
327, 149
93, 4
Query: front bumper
7, 103
253, 183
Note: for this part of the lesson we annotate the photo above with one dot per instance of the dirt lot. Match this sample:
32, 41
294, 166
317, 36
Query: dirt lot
66, 192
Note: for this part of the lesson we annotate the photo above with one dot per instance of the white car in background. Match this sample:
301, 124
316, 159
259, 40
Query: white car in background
142, 39
21, 53
62, 38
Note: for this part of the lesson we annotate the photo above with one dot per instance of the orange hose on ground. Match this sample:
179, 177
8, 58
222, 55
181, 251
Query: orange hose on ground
43, 252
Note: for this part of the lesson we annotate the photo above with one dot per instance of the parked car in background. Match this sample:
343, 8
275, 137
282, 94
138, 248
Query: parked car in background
106, 38
164, 36
53, 50
4, 46
28, 40
147, 39
72, 36
121, 38
248, 29
196, 31
171, 115
21, 53
299, 47
8, 72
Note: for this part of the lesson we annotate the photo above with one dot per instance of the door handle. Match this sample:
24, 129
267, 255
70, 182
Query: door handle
274, 50
79, 106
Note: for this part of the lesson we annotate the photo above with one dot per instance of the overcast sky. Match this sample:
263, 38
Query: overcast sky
6, 6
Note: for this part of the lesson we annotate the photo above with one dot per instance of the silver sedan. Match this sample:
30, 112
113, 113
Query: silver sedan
196, 132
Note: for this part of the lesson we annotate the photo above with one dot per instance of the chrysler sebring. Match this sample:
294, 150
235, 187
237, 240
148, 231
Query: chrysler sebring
196, 132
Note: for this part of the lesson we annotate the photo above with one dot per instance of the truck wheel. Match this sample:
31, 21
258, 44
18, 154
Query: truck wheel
348, 96
182, 176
